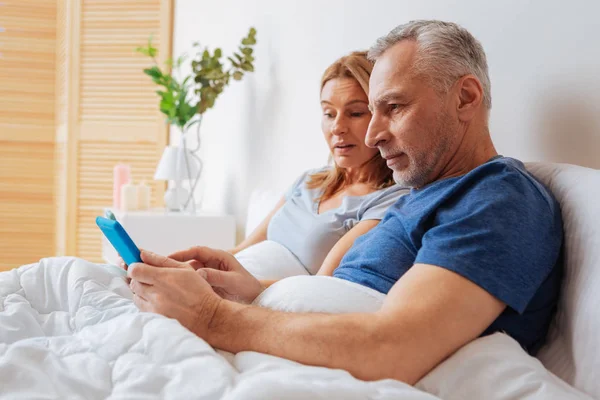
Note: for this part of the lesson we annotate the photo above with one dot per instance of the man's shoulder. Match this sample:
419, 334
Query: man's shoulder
506, 179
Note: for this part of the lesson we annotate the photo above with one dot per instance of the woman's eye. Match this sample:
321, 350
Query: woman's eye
357, 114
328, 114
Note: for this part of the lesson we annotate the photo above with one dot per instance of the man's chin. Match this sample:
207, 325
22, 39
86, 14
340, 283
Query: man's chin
407, 179
401, 179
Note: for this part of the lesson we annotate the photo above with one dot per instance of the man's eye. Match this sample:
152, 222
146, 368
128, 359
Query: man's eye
357, 114
393, 107
328, 114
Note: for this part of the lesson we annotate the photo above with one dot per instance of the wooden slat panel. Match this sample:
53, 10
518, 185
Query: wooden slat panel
113, 85
27, 112
26, 202
27, 68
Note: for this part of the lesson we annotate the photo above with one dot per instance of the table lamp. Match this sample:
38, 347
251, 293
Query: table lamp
175, 166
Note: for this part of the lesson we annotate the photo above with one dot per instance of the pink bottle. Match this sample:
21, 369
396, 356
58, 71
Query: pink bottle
121, 176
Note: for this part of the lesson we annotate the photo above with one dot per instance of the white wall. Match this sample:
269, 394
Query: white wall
544, 59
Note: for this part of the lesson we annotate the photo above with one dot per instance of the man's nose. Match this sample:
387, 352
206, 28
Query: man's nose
375, 132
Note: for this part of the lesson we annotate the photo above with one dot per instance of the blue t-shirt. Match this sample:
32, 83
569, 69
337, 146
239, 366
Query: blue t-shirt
496, 226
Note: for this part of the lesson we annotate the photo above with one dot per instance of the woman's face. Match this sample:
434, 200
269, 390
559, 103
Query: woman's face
346, 117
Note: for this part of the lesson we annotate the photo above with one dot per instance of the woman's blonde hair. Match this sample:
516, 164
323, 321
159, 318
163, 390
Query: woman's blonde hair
356, 66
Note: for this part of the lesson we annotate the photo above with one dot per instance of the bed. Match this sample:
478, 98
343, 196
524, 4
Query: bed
69, 329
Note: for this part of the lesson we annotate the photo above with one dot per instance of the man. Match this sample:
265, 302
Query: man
473, 249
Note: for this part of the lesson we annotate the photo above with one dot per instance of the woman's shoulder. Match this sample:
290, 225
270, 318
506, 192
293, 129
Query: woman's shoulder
393, 191
312, 173
375, 204
300, 184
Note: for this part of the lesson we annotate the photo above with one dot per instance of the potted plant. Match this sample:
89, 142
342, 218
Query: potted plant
184, 100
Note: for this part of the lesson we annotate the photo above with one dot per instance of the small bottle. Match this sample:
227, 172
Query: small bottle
128, 197
143, 196
121, 176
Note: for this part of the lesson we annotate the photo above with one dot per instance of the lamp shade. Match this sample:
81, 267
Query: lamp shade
172, 165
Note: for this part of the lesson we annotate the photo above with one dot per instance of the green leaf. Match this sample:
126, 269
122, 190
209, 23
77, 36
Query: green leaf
218, 53
142, 50
233, 62
247, 67
246, 50
252, 32
205, 55
153, 72
248, 41
214, 74
237, 75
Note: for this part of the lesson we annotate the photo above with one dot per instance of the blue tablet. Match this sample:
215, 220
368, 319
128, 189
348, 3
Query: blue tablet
116, 235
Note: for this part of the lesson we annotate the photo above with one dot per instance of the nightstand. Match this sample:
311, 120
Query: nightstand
164, 232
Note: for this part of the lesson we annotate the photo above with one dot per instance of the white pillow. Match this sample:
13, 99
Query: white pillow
270, 260
572, 349
495, 367
260, 204
320, 294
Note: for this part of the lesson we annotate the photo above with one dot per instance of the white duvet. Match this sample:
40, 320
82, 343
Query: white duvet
68, 329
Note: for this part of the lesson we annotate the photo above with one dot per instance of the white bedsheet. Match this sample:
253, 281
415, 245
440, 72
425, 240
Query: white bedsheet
68, 329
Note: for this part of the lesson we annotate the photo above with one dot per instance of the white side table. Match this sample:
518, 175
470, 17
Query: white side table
164, 232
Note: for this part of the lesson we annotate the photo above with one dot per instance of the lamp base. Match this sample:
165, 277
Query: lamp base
175, 198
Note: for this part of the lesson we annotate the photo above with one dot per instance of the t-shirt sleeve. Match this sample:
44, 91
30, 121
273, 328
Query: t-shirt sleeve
300, 182
378, 206
295, 186
506, 238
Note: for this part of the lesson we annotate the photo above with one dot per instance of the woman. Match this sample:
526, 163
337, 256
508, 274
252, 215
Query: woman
326, 209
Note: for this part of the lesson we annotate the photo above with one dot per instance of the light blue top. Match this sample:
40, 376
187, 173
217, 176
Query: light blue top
309, 235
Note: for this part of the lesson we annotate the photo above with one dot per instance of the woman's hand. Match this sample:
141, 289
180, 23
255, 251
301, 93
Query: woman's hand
223, 272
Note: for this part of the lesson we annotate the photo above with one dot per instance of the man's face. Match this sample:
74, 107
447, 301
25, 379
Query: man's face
413, 126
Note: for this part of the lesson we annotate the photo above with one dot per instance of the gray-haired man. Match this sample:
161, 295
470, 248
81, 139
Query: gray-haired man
473, 249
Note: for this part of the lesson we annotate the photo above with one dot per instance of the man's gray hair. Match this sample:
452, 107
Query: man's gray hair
445, 52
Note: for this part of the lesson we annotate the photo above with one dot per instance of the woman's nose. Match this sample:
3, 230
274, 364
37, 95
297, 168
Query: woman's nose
339, 126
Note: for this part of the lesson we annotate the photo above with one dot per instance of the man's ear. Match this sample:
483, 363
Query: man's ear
470, 97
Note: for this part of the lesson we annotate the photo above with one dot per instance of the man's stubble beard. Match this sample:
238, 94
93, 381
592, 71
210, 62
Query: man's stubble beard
422, 164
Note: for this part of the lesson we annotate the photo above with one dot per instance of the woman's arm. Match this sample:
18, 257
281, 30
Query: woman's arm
338, 251
260, 233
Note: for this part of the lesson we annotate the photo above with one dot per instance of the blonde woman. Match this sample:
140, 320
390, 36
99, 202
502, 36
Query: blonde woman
326, 209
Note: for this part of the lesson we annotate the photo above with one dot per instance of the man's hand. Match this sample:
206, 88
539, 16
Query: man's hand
175, 290
223, 271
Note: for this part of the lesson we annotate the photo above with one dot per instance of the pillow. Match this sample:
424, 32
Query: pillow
571, 352
260, 204
496, 367
320, 294
270, 260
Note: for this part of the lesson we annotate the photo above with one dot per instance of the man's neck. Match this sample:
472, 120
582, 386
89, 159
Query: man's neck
475, 149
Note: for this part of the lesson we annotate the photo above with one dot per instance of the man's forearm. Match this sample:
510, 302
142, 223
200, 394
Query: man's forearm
346, 341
